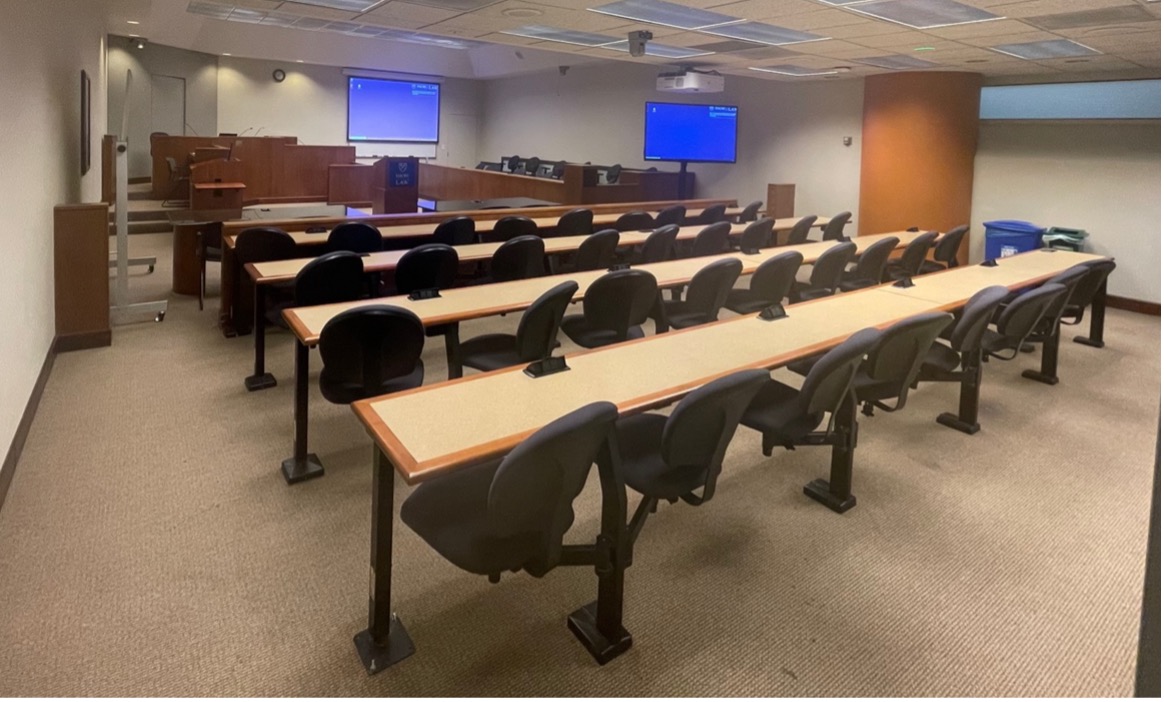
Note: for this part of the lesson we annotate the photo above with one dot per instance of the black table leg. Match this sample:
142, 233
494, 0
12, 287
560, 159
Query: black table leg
836, 493
966, 421
303, 465
385, 642
1098, 311
453, 349
1049, 370
261, 378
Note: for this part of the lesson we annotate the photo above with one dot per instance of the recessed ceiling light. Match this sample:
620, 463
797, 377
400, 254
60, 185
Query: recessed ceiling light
1042, 50
226, 54
976, 61
667, 14
923, 14
565, 36
209, 9
790, 70
241, 14
280, 19
132, 22
298, 60
761, 33
134, 36
522, 12
1076, 60
348, 5
661, 50
896, 62
923, 48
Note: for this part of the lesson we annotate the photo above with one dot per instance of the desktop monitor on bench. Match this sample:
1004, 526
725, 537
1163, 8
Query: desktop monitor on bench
690, 133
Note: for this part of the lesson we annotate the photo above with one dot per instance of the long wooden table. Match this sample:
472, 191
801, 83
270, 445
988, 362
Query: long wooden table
436, 429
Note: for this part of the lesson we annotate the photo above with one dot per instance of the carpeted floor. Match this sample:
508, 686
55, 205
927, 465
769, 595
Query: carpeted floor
149, 546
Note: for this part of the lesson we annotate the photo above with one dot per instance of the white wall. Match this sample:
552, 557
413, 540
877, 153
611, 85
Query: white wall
200, 71
789, 133
1104, 178
44, 46
311, 104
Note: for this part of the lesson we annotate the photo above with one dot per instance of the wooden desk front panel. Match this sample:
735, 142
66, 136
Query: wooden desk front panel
252, 149
81, 275
349, 184
302, 171
450, 183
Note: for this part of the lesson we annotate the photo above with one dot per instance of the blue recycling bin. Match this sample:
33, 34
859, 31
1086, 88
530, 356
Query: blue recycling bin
1007, 237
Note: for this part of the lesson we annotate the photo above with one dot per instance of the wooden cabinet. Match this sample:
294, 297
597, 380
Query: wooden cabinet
81, 276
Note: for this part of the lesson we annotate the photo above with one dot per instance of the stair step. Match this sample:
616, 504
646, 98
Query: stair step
148, 227
140, 195
142, 216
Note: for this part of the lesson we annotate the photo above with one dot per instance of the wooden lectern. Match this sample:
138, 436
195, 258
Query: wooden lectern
395, 184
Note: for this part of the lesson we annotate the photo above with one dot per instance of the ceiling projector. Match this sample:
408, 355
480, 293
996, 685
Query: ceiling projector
689, 81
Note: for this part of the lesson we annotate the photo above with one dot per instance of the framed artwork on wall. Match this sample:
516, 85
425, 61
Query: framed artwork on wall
86, 132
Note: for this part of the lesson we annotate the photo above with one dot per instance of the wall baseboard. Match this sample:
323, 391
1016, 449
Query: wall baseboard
85, 340
9, 466
1127, 303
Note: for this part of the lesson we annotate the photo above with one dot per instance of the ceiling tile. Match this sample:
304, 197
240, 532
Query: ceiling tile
407, 12
314, 11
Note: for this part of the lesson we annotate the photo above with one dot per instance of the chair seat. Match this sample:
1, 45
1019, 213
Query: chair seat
639, 441
490, 352
744, 301
575, 327
803, 293
775, 410
857, 283
941, 357
932, 267
680, 316
450, 514
347, 393
804, 365
867, 389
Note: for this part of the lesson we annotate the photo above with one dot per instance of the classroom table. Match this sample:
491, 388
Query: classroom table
436, 429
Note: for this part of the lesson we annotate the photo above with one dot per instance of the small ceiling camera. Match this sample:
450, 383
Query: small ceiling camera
638, 41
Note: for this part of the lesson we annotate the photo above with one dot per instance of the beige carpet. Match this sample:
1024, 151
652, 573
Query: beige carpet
150, 547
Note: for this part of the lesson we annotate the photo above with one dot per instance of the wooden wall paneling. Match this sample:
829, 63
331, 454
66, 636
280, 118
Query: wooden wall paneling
259, 153
81, 275
350, 184
108, 166
304, 172
451, 183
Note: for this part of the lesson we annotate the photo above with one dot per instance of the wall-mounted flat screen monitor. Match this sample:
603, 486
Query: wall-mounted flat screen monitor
393, 110
693, 133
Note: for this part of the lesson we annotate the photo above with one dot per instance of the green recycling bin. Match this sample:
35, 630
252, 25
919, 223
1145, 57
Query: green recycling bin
1064, 238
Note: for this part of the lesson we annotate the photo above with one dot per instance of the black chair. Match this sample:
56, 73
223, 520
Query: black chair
370, 351
596, 251
333, 277
1017, 320
712, 240
673, 457
835, 229
179, 185
613, 309
576, 222
509, 227
870, 265
946, 250
660, 245
512, 514
757, 235
537, 334
800, 230
613, 173
358, 237
1047, 330
1086, 294
961, 360
511, 163
632, 221
705, 296
558, 170
258, 244
711, 215
455, 231
826, 273
769, 285
909, 264
750, 212
426, 267
532, 164
518, 258
209, 249
675, 214
788, 417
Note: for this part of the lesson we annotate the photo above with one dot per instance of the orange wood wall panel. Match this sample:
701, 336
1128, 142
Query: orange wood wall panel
81, 275
349, 184
918, 142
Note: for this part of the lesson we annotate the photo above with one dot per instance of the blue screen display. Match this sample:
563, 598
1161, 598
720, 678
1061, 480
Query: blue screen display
674, 132
393, 110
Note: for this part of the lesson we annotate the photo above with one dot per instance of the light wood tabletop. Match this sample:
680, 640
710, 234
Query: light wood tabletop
438, 427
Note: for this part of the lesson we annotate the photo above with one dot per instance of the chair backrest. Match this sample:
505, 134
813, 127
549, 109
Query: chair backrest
775, 276
975, 318
757, 235
359, 237
800, 230
171, 165
333, 277
597, 251
532, 164
538, 329
511, 162
829, 379
575, 223
1069, 279
710, 286
830, 267
751, 211
534, 488
915, 253
712, 239
510, 227
701, 426
660, 244
671, 215
712, 214
634, 220
263, 244
1018, 319
368, 347
620, 300
871, 264
613, 173
896, 358
455, 231
835, 229
520, 257
946, 248
426, 266
1086, 290
559, 170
